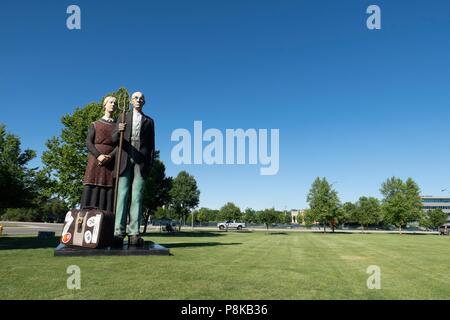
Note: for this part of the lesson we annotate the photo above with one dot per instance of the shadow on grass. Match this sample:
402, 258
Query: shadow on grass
278, 233
197, 244
192, 234
235, 231
8, 243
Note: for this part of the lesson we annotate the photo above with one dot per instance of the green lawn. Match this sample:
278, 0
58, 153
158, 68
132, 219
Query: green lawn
233, 265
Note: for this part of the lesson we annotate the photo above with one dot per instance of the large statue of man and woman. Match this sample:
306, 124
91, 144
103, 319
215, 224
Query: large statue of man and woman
137, 156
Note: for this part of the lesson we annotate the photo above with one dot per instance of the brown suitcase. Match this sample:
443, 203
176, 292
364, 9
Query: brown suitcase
89, 228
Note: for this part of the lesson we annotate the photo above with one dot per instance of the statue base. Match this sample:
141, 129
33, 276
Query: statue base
149, 249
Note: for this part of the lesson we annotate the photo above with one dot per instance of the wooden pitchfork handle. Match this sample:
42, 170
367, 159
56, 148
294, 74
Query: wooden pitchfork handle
119, 157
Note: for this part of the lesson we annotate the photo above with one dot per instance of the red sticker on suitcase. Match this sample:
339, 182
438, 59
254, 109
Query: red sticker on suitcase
66, 237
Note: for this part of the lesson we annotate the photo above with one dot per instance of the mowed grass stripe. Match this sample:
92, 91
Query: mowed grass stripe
234, 265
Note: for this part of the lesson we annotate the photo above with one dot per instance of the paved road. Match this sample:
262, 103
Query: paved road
31, 228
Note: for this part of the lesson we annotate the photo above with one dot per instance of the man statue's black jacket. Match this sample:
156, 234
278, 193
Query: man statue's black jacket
144, 157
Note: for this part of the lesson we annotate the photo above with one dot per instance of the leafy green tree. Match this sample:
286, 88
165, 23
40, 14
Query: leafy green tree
285, 217
414, 199
17, 181
156, 190
433, 219
66, 156
165, 213
309, 218
368, 211
205, 215
401, 203
21, 214
324, 203
338, 218
184, 195
249, 215
349, 212
230, 212
22, 197
268, 217
51, 210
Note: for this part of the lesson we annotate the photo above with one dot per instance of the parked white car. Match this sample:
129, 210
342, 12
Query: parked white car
231, 224
445, 229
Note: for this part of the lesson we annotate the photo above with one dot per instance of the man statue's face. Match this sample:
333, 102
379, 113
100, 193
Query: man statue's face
137, 100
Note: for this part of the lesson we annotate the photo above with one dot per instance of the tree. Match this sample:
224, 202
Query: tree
414, 199
269, 216
401, 203
349, 212
165, 213
309, 218
162, 213
285, 217
66, 156
22, 195
230, 212
368, 211
324, 203
249, 215
205, 215
433, 219
184, 195
17, 181
156, 190
52, 210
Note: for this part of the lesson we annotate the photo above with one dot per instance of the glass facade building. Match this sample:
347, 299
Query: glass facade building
430, 202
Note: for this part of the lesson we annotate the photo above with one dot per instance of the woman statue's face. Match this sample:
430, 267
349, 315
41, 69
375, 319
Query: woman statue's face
110, 105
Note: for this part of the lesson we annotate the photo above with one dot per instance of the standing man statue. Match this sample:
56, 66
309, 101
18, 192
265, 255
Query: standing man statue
134, 166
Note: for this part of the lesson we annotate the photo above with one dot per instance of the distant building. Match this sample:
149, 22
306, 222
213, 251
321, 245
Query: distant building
297, 216
430, 203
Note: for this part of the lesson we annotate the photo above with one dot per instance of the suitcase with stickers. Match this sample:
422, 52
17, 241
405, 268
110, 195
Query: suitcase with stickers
89, 228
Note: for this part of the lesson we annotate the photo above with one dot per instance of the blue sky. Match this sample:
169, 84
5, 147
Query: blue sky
353, 105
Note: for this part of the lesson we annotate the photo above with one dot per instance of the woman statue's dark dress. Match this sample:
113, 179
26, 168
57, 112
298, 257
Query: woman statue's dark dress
99, 179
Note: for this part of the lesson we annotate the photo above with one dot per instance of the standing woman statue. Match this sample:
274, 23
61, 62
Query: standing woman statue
98, 179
